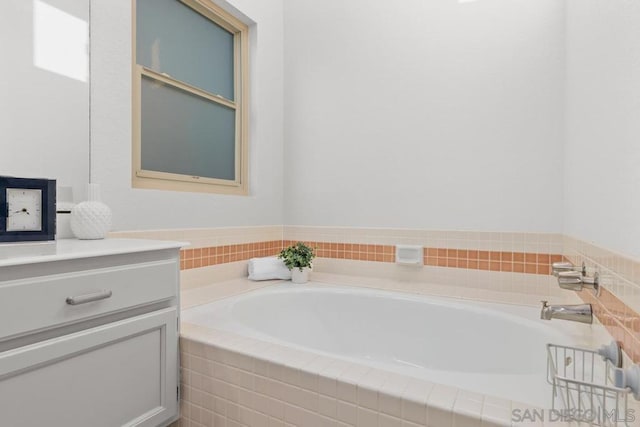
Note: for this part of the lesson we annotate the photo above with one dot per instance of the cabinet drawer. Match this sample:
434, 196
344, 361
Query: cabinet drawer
45, 302
123, 373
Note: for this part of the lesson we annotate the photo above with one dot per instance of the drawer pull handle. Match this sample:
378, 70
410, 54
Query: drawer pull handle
83, 299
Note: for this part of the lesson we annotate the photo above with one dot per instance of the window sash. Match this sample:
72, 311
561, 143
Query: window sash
169, 81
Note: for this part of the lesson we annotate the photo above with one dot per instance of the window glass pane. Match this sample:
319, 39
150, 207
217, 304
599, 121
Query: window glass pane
186, 134
172, 38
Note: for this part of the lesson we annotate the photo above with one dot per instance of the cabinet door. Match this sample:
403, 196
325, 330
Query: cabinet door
120, 374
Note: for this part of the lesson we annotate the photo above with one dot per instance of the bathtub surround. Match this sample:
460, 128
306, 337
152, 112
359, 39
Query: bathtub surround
618, 306
227, 378
509, 252
517, 262
232, 378
550, 243
214, 255
224, 382
470, 263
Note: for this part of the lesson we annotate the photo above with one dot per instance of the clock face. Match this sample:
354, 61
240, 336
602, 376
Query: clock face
24, 211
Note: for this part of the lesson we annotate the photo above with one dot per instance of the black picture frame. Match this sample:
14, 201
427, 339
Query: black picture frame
48, 188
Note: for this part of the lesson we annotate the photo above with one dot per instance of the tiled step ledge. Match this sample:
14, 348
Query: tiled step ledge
224, 381
228, 378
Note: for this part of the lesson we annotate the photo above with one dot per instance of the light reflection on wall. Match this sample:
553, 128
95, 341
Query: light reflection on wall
60, 42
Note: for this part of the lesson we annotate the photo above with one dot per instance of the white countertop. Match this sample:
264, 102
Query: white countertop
67, 249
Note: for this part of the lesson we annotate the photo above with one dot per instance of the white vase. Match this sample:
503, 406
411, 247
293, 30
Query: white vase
300, 277
91, 220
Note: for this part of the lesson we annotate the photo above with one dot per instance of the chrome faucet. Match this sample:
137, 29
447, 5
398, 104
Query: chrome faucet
574, 278
577, 313
576, 281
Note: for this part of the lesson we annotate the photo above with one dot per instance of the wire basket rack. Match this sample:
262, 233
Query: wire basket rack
585, 385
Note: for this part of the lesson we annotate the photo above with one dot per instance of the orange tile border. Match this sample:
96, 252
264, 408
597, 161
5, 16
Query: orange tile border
214, 255
350, 251
517, 262
622, 322
472, 259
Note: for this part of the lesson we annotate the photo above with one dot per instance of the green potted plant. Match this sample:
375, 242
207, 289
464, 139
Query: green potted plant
298, 259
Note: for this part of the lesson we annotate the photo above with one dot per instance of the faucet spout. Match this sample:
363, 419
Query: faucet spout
582, 313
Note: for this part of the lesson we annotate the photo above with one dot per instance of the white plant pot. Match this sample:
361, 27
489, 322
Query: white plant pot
300, 277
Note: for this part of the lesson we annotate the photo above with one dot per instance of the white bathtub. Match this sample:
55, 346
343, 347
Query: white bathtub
493, 349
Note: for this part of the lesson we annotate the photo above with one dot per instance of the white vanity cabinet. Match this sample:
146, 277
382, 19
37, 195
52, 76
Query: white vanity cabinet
89, 335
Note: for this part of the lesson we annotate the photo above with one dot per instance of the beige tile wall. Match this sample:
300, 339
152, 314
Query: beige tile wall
491, 286
618, 306
511, 262
486, 241
207, 237
456, 258
474, 259
219, 253
222, 385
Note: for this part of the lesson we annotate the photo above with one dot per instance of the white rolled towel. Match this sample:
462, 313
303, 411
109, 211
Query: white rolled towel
268, 268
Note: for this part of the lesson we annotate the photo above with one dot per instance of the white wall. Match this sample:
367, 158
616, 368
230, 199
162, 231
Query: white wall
434, 114
431, 114
602, 170
111, 129
44, 97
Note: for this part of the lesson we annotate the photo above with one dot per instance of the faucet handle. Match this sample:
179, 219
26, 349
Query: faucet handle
570, 280
558, 268
576, 281
544, 311
570, 274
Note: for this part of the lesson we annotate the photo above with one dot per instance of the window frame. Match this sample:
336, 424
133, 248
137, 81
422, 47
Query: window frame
148, 179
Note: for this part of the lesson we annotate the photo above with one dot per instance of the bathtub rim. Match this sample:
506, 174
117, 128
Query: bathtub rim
562, 332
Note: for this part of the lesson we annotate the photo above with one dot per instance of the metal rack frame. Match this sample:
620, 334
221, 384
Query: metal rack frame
583, 382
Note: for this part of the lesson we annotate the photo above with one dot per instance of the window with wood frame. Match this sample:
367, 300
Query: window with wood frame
190, 97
